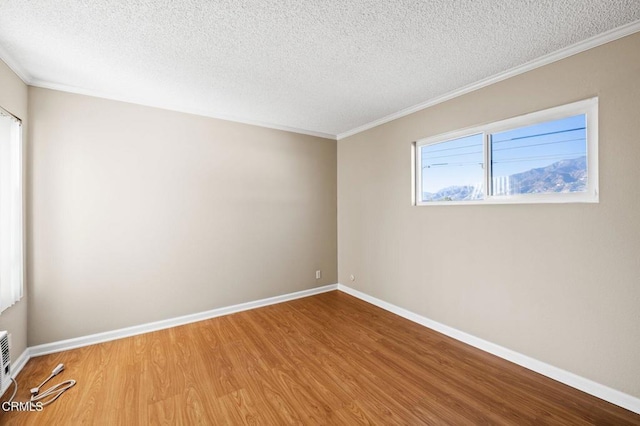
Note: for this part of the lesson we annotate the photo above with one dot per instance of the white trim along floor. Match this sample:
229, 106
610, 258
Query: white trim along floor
588, 386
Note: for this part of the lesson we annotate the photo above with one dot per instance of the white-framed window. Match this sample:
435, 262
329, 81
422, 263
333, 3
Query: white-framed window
11, 229
549, 156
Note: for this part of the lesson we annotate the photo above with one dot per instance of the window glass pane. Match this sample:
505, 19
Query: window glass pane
542, 158
453, 170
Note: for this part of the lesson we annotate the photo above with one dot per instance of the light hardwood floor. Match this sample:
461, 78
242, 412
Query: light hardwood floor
326, 359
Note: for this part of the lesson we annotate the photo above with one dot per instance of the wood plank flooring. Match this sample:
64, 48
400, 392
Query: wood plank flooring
327, 359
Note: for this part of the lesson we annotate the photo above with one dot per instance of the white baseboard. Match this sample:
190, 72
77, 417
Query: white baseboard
106, 336
19, 363
588, 386
596, 389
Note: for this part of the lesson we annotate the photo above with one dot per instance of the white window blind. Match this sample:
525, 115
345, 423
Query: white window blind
11, 229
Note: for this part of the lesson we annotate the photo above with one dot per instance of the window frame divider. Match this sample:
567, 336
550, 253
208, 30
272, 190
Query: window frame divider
587, 107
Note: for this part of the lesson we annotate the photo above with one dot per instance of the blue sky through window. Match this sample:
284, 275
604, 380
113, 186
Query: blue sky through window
539, 145
459, 162
456, 162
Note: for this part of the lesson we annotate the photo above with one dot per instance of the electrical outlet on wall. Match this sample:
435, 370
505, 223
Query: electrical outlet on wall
318, 274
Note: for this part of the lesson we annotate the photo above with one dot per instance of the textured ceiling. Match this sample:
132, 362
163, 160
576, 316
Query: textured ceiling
317, 66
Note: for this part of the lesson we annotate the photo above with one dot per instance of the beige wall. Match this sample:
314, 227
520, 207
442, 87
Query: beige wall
141, 214
559, 283
13, 98
137, 214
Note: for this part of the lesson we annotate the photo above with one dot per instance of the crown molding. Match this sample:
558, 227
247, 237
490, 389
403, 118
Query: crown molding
167, 106
566, 52
29, 80
14, 66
